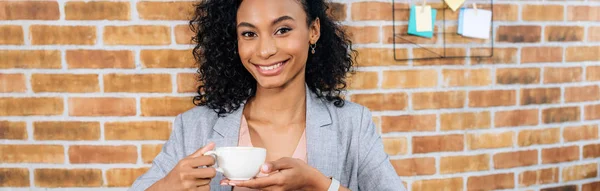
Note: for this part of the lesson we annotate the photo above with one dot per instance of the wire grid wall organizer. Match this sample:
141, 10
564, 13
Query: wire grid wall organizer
446, 42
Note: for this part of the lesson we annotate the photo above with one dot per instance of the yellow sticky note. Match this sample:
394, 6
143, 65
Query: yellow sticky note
423, 18
454, 4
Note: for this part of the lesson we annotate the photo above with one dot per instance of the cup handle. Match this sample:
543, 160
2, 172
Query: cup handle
214, 155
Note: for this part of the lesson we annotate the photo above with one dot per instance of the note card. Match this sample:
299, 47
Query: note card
454, 4
476, 23
412, 23
460, 20
423, 18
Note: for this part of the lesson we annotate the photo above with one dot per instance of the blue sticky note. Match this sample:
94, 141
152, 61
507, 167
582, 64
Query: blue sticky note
460, 20
412, 23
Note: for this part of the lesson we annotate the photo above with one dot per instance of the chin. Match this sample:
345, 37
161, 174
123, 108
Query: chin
270, 83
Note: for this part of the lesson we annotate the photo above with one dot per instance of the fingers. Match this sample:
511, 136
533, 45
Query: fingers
202, 173
200, 161
281, 164
257, 183
201, 151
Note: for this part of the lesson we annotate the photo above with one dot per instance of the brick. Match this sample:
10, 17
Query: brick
165, 10
582, 93
560, 154
438, 143
188, 82
592, 112
382, 101
407, 123
591, 151
455, 183
365, 11
363, 80
12, 83
183, 34
593, 34
563, 33
30, 106
466, 77
66, 130
518, 76
459, 39
579, 172
29, 10
491, 98
515, 159
380, 56
363, 34
32, 154
62, 35
103, 10
55, 178
561, 188
13, 130
541, 54
578, 133
540, 176
409, 79
514, 118
491, 182
167, 58
466, 163
489, 140
438, 100
149, 152
106, 106
543, 13
137, 35
539, 137
123, 177
464, 121
395, 145
14, 177
449, 52
519, 33
414, 166
499, 56
540, 96
100, 59
583, 53
562, 74
137, 83
560, 114
401, 37
165, 106
337, 11
142, 130
592, 73
591, 186
505, 12
72, 83
47, 59
11, 35
583, 13
102, 154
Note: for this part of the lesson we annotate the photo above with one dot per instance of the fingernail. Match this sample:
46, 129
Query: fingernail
265, 168
223, 184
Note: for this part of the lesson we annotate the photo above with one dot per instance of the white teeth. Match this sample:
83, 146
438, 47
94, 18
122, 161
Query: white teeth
271, 67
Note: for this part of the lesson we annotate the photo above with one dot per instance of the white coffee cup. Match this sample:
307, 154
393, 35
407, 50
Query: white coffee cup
239, 163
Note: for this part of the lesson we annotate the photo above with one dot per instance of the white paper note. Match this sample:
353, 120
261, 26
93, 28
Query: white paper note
454, 4
477, 23
423, 18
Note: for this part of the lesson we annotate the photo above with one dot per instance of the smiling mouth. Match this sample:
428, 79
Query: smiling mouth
274, 66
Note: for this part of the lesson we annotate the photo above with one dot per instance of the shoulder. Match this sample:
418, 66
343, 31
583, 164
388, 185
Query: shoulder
351, 114
198, 112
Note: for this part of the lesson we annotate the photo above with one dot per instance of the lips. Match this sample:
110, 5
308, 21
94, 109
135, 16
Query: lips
272, 69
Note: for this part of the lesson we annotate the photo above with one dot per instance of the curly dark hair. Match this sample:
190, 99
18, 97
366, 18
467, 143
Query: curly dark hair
226, 84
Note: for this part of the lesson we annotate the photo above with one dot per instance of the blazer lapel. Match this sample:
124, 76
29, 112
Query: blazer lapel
321, 137
227, 129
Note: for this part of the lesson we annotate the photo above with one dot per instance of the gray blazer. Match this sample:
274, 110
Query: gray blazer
341, 142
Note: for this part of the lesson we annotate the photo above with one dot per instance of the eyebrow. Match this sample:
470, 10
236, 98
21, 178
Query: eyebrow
278, 20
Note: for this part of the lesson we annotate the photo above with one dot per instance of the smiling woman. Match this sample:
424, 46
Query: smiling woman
272, 72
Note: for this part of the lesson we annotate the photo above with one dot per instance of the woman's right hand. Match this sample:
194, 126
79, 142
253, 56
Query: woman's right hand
190, 173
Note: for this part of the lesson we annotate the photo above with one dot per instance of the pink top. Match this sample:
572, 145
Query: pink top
244, 140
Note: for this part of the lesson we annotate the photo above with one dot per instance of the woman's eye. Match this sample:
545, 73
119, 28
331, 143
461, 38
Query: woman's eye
283, 30
248, 34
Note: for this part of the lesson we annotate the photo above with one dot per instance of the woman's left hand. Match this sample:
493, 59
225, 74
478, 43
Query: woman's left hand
285, 174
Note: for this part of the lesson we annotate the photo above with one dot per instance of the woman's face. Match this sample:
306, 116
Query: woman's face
273, 40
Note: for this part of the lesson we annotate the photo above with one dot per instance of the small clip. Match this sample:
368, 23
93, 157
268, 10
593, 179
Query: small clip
475, 8
423, 6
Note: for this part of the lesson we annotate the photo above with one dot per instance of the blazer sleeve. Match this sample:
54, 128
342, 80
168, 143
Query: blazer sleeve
165, 161
375, 172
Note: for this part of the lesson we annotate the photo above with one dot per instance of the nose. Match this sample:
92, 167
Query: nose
267, 47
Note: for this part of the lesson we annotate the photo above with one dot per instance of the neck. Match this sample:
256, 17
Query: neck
279, 106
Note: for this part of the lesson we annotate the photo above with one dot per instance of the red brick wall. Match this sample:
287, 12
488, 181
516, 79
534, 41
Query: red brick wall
88, 92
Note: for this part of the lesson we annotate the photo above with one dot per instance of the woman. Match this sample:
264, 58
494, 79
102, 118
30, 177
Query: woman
272, 74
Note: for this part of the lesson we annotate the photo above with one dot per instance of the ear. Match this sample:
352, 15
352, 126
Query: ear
315, 31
